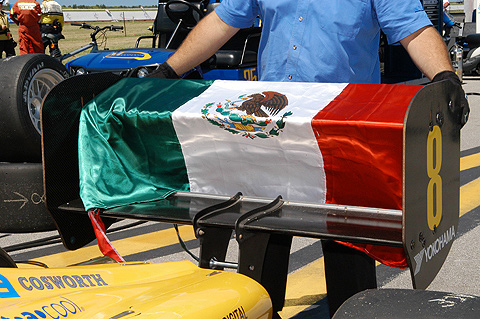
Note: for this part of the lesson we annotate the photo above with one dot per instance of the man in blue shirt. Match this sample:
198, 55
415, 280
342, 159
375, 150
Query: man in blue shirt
324, 41
320, 41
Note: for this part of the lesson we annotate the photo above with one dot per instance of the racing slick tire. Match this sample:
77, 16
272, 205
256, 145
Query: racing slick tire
25, 80
409, 304
22, 200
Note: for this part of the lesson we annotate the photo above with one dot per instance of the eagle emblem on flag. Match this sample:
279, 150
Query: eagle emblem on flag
250, 115
274, 102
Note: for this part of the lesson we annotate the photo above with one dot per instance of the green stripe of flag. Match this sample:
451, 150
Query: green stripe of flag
128, 148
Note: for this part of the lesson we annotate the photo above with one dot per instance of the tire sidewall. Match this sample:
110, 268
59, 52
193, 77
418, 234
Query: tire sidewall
20, 140
37, 63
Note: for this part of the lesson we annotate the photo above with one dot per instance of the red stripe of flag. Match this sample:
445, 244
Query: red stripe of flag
360, 135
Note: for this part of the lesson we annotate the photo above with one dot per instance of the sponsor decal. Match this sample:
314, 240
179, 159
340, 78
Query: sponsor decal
30, 75
451, 300
129, 55
238, 313
26, 6
435, 185
247, 114
64, 308
250, 74
61, 282
434, 248
6, 289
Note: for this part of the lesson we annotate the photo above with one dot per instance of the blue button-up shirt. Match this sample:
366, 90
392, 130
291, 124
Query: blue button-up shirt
324, 41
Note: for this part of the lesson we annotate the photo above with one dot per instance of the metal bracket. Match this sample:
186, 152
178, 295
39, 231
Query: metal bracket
254, 215
214, 240
264, 256
215, 210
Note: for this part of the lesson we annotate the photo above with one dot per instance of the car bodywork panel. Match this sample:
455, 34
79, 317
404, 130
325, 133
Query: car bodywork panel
136, 289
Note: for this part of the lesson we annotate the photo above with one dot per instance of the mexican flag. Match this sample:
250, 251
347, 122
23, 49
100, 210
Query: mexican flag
142, 139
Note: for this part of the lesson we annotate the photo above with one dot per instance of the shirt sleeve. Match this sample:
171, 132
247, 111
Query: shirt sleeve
399, 19
238, 13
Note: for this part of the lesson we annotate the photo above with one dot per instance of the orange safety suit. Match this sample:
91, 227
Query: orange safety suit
26, 13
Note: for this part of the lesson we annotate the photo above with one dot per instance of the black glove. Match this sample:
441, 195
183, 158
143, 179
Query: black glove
163, 71
460, 107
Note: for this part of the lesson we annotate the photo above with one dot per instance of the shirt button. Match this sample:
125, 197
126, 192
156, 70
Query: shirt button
294, 47
300, 19
290, 77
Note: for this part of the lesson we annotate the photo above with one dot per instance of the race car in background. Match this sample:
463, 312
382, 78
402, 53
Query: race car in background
236, 60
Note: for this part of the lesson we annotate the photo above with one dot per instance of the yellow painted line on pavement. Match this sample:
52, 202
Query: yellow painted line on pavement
469, 193
469, 161
305, 287
469, 196
127, 246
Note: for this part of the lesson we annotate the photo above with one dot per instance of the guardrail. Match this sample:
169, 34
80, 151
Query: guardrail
108, 15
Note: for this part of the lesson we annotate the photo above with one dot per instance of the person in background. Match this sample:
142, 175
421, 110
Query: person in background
26, 14
51, 25
448, 20
7, 44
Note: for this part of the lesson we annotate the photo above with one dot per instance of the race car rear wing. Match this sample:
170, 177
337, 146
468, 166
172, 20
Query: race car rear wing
425, 227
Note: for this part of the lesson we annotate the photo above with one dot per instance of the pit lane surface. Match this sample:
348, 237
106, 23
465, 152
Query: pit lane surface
306, 285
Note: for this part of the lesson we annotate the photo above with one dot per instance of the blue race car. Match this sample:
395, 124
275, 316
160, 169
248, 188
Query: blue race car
236, 60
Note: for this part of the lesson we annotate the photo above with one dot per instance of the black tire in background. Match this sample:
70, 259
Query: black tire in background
409, 304
22, 199
25, 80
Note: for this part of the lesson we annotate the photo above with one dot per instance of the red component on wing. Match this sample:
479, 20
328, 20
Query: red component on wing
104, 243
360, 135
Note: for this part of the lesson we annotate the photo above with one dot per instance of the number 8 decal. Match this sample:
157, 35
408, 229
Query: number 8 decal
434, 189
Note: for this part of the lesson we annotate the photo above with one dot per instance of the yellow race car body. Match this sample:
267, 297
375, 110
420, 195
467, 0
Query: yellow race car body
130, 290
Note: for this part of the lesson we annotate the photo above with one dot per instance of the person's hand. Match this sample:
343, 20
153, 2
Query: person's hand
163, 71
4, 26
460, 106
